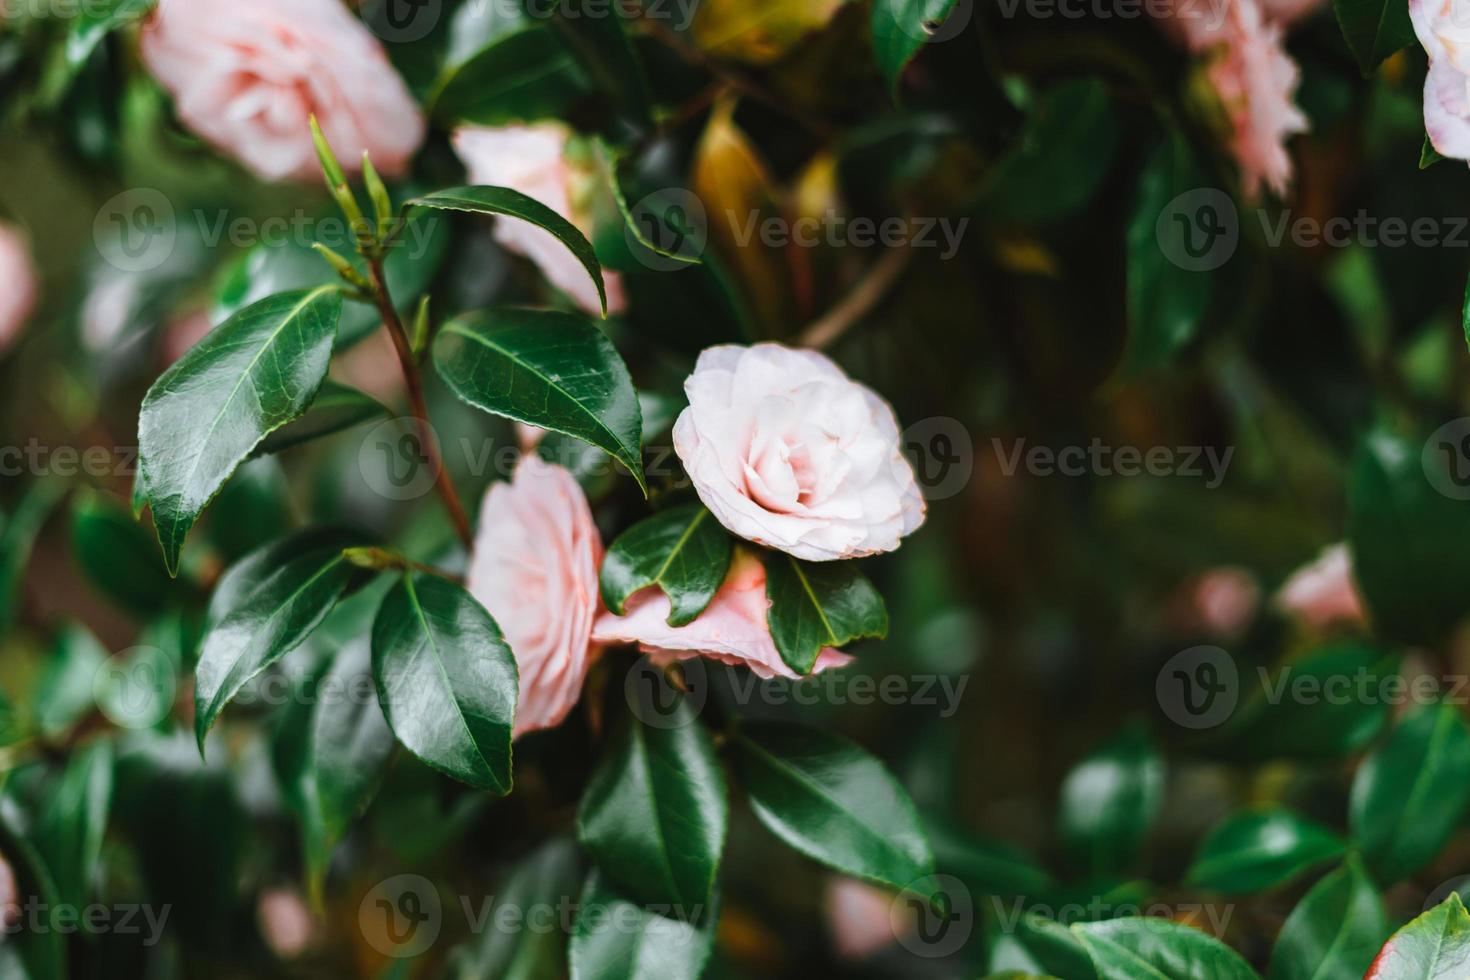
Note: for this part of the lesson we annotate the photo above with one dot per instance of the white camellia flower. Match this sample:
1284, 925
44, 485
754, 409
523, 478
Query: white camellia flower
1443, 27
787, 451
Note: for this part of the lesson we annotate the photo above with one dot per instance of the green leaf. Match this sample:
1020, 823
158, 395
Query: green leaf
64, 692
653, 816
835, 803
1409, 795
1038, 945
1166, 301
1334, 930
118, 556
522, 75
446, 679
351, 742
1159, 949
514, 204
1374, 29
1253, 850
18, 535
1410, 542
1428, 155
336, 408
683, 551
900, 28
987, 867
274, 611
815, 605
617, 939
1109, 802
73, 820
30, 954
251, 375
549, 369
599, 42
1435, 946
544, 879
94, 21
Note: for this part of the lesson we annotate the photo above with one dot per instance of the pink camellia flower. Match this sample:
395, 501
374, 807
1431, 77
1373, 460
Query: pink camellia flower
1222, 602
859, 917
787, 451
1323, 592
732, 629
18, 297
248, 76
1443, 27
532, 160
286, 922
534, 567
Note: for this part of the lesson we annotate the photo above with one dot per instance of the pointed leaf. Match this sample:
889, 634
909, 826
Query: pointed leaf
1435, 946
653, 816
683, 551
1109, 802
351, 742
833, 802
446, 679
69, 832
900, 28
514, 204
248, 377
1254, 850
18, 534
1159, 949
1333, 932
118, 556
549, 369
94, 21
336, 408
1374, 29
617, 939
815, 605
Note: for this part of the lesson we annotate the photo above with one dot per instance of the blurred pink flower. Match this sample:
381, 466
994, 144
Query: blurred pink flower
1323, 592
285, 922
534, 567
532, 160
789, 452
1222, 601
18, 274
732, 629
183, 333
247, 77
859, 917
10, 901
1443, 27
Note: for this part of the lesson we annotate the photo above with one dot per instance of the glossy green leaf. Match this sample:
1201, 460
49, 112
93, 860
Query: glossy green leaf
815, 605
683, 551
64, 693
1435, 946
351, 742
1160, 949
336, 408
1109, 802
549, 369
1166, 301
118, 555
1410, 541
545, 878
94, 21
208, 412
900, 28
1033, 944
986, 866
522, 75
30, 954
253, 506
446, 679
654, 814
1257, 849
1410, 794
1374, 29
617, 939
291, 758
18, 532
272, 617
599, 42
513, 204
833, 802
69, 832
1334, 930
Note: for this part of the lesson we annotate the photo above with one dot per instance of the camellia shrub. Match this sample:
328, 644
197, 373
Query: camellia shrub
657, 489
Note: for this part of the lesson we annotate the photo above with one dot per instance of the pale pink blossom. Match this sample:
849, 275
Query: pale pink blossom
787, 451
10, 899
534, 568
285, 922
19, 293
732, 629
1323, 592
533, 160
1222, 601
859, 917
1443, 27
248, 76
